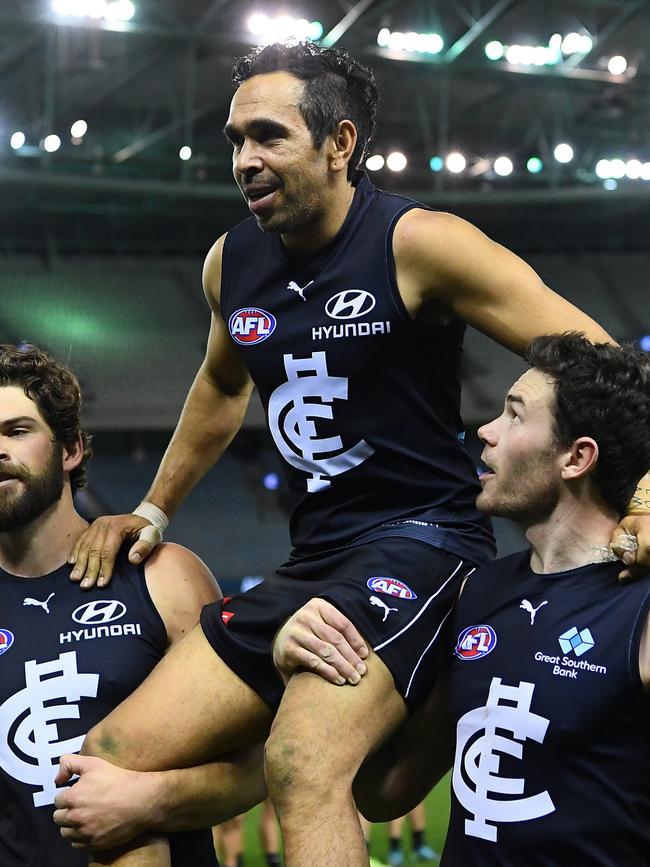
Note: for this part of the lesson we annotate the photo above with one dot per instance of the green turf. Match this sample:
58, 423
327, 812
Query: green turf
437, 818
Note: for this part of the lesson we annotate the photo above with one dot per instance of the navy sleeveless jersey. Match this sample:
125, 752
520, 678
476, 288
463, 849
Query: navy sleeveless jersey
552, 765
362, 401
67, 658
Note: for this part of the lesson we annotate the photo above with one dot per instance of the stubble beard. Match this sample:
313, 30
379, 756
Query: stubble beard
36, 494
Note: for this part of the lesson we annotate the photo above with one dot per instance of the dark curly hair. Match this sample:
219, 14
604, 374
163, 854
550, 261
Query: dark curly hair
337, 88
55, 391
601, 391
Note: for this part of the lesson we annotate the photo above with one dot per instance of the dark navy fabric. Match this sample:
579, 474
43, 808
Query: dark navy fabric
402, 617
67, 658
362, 401
552, 765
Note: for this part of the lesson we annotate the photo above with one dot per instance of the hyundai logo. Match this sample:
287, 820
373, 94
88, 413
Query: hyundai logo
98, 612
350, 304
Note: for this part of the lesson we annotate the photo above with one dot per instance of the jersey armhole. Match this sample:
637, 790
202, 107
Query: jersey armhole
389, 260
634, 647
223, 289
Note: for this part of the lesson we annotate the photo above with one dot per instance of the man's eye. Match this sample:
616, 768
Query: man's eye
18, 431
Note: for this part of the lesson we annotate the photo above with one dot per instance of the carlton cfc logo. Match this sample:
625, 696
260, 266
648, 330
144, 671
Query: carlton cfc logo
475, 642
391, 587
251, 325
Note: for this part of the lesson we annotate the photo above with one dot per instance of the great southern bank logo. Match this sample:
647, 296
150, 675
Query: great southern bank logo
251, 325
475, 642
578, 642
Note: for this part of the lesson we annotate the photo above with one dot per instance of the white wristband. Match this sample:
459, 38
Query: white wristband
156, 517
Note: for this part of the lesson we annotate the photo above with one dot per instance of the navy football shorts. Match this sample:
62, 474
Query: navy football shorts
398, 592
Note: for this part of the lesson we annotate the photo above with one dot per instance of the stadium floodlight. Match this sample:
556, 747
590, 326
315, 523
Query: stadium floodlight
644, 343
503, 166
455, 162
411, 42
284, 28
95, 8
577, 43
79, 129
17, 140
51, 143
436, 164
396, 161
563, 153
494, 50
120, 10
604, 169
617, 169
645, 172
534, 165
185, 153
63, 7
375, 162
633, 169
610, 184
617, 64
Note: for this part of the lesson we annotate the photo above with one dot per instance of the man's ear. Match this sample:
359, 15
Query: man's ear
344, 141
580, 459
73, 454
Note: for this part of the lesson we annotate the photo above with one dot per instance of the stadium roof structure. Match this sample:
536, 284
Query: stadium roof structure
160, 81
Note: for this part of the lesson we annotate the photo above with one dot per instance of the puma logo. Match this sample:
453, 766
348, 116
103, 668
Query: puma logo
299, 289
375, 600
526, 605
44, 605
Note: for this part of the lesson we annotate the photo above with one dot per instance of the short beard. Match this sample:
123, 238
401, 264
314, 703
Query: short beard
39, 494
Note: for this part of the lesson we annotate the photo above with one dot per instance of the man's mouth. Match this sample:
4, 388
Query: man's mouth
485, 471
259, 197
6, 478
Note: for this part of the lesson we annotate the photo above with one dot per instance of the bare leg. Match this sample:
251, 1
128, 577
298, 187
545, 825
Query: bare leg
321, 735
191, 709
229, 841
149, 851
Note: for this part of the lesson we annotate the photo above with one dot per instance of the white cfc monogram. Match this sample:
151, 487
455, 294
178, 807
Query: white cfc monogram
36, 736
479, 763
307, 395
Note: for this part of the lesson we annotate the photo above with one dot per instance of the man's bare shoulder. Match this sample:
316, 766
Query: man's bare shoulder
180, 585
212, 271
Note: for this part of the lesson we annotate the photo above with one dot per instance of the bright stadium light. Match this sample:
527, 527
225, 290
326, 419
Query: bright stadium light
455, 162
617, 65
644, 343
375, 162
604, 169
79, 129
503, 166
633, 169
51, 143
577, 43
617, 169
17, 140
95, 8
494, 50
534, 165
610, 184
120, 10
411, 42
185, 153
645, 172
283, 28
563, 153
396, 161
436, 164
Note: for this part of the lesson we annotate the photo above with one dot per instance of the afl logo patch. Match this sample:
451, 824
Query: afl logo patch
251, 325
475, 642
6, 640
350, 304
391, 587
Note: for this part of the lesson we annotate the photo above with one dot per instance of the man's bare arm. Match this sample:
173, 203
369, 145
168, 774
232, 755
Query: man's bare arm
442, 258
212, 415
